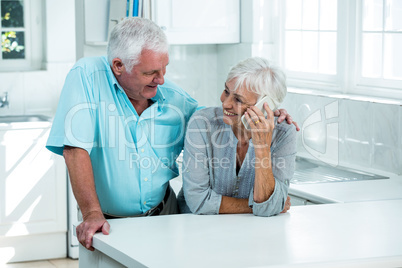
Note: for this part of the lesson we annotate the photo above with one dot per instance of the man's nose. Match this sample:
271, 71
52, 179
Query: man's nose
159, 78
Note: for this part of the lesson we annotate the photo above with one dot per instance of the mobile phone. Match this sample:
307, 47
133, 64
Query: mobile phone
260, 105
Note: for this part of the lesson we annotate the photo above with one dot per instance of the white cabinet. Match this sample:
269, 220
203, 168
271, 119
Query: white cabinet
32, 195
184, 21
199, 21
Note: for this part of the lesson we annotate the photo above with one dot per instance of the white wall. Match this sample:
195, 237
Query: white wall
369, 133
37, 92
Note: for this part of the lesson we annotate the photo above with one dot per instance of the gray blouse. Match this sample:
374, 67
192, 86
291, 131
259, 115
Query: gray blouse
209, 166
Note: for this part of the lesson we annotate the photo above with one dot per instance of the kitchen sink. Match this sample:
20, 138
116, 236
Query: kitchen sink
310, 171
23, 118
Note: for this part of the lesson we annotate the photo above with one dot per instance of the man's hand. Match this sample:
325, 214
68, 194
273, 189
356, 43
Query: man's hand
93, 222
82, 181
282, 114
287, 205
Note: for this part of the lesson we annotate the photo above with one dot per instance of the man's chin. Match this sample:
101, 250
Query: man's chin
149, 93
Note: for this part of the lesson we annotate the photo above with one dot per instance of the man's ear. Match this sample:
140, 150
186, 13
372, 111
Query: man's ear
118, 66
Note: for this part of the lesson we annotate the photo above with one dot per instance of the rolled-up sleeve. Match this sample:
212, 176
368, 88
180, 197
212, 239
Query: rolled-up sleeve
283, 157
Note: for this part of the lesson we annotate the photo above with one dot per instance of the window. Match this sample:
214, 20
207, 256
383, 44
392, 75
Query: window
21, 35
346, 46
12, 30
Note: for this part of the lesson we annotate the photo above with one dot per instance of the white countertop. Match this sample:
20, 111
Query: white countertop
351, 191
366, 234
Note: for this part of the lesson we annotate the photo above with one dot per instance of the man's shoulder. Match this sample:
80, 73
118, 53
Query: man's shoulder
175, 94
91, 64
170, 87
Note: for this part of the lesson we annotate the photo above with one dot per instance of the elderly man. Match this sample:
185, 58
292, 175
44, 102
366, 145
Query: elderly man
120, 127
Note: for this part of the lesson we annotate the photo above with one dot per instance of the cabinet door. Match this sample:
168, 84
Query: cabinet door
33, 211
32, 185
199, 21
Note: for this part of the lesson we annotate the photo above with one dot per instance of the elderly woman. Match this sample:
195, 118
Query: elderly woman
228, 168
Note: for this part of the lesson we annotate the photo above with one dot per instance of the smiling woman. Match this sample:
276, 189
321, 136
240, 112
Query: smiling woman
229, 168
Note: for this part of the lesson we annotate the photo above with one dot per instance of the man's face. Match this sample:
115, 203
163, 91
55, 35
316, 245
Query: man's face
141, 84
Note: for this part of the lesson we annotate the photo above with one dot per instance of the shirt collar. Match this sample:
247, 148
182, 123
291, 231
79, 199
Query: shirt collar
114, 80
159, 97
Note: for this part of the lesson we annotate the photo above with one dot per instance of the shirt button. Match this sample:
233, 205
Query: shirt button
142, 150
145, 202
146, 179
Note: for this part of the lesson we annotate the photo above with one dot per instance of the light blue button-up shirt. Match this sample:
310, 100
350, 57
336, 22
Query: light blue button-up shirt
133, 157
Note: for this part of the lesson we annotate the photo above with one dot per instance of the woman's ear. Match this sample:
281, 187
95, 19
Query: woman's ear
118, 66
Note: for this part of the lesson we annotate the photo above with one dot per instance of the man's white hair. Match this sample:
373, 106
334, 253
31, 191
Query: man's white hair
260, 76
132, 35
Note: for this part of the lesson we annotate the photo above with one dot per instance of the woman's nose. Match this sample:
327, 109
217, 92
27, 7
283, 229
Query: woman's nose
226, 103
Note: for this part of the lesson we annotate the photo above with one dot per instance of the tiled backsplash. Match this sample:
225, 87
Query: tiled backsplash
367, 134
35, 92
194, 68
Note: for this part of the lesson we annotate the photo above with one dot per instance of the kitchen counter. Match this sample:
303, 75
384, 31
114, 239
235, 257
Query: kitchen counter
361, 234
351, 191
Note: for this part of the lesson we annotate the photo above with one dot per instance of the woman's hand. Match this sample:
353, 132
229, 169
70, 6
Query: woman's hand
261, 127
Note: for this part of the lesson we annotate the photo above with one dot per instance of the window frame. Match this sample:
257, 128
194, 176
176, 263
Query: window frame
33, 28
305, 79
348, 79
378, 86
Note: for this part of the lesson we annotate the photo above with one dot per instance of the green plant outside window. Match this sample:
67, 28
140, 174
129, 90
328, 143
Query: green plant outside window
12, 31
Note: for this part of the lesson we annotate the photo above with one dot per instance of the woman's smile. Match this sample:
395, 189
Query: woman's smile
225, 112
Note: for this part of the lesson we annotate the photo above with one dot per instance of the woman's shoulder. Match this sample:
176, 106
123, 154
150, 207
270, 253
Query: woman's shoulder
284, 130
284, 126
211, 114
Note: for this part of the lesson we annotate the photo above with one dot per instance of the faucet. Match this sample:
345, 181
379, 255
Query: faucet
4, 100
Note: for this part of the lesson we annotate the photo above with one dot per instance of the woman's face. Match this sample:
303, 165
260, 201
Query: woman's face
235, 103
